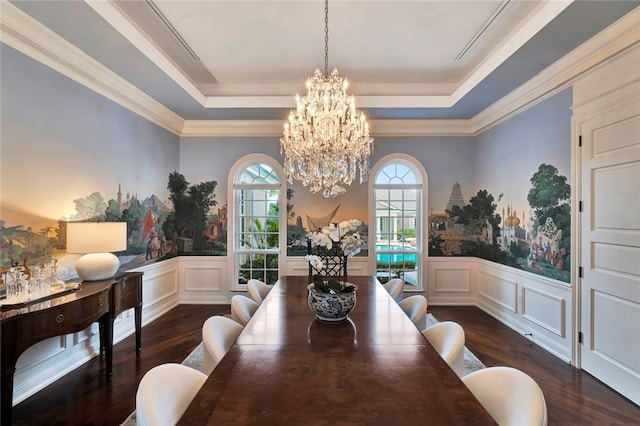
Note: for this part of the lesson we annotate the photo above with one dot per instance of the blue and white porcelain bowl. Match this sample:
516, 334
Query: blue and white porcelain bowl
332, 307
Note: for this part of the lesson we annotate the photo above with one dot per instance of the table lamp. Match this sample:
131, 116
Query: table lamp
96, 241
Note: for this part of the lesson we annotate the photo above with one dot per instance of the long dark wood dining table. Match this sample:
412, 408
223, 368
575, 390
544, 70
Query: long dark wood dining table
375, 368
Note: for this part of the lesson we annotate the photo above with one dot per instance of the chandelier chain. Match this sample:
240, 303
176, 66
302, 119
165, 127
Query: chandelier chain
326, 38
326, 140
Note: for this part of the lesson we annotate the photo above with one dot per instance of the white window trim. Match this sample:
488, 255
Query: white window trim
422, 216
238, 167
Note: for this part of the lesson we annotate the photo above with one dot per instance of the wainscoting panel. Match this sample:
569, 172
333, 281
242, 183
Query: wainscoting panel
298, 266
536, 307
41, 352
451, 281
83, 335
47, 361
358, 266
159, 287
205, 280
544, 309
202, 278
499, 289
159, 294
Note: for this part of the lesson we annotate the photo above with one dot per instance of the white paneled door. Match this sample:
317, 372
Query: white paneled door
610, 245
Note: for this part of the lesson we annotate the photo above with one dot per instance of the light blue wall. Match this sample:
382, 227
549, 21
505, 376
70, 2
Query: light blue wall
61, 141
508, 155
205, 159
446, 161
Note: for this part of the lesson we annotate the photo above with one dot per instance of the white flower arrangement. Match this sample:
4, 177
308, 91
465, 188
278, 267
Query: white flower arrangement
314, 261
344, 236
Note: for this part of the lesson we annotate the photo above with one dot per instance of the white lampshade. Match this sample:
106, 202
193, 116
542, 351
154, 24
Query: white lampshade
95, 240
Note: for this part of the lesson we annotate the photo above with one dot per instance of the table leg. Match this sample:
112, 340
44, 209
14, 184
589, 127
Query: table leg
138, 319
106, 336
100, 327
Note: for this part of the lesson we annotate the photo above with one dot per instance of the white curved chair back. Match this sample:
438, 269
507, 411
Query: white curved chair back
416, 308
242, 309
218, 334
394, 287
258, 290
511, 396
447, 338
165, 392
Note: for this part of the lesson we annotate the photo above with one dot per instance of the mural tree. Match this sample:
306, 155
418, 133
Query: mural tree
133, 215
191, 206
113, 211
478, 214
91, 208
548, 198
61, 234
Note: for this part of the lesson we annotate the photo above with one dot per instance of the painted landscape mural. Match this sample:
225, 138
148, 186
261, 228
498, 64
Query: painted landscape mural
537, 241
187, 223
308, 212
190, 222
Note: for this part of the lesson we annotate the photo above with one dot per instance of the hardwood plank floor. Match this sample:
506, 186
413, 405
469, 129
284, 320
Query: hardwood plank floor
572, 395
82, 397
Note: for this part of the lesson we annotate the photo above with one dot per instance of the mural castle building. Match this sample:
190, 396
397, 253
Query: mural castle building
443, 226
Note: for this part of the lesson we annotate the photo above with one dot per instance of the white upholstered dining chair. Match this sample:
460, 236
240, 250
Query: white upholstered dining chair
394, 287
416, 309
242, 309
165, 392
218, 334
447, 338
258, 290
511, 396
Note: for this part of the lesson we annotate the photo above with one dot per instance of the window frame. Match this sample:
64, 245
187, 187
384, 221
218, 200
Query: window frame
234, 187
421, 216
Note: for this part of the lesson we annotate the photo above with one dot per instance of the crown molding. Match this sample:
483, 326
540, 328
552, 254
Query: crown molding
232, 128
27, 35
273, 128
544, 14
30, 37
117, 20
610, 42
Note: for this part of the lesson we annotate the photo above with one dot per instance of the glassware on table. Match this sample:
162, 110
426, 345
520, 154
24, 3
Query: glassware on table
55, 283
17, 287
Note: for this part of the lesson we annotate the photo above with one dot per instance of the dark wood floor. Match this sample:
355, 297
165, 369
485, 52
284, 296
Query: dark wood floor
83, 398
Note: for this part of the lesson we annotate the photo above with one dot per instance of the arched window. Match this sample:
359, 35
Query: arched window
257, 239
397, 216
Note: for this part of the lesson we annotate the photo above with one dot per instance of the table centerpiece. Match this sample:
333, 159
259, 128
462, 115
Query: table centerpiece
331, 297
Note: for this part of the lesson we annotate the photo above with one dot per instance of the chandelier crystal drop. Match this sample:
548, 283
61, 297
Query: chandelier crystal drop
326, 139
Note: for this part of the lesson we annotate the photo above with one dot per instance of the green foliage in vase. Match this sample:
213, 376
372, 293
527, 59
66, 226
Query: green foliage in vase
331, 286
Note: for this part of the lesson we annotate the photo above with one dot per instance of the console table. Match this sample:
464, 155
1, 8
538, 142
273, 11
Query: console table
26, 324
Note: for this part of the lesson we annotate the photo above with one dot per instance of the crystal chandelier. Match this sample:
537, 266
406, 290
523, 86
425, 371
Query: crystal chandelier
326, 138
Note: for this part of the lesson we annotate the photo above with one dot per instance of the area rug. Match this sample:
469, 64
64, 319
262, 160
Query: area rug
194, 360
